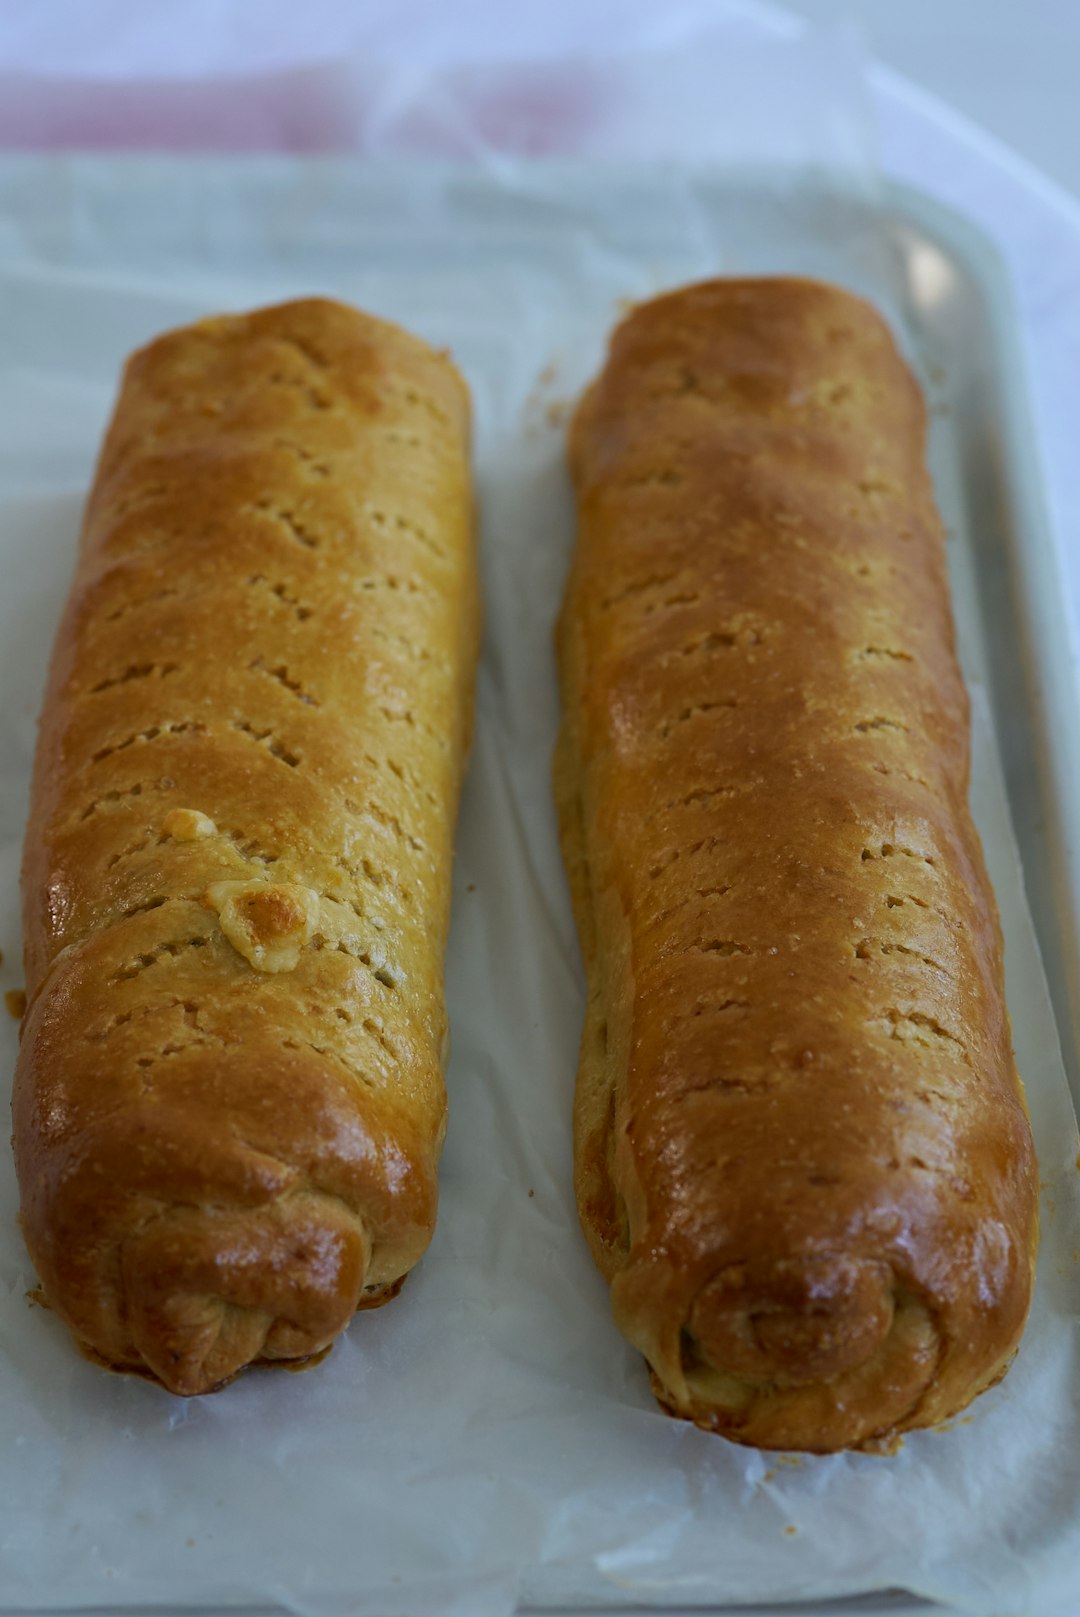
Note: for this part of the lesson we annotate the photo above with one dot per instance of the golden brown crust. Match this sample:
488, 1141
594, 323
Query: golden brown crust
229, 1101
803, 1155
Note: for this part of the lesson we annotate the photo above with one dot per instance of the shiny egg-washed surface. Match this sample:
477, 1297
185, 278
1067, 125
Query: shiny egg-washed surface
229, 1102
803, 1155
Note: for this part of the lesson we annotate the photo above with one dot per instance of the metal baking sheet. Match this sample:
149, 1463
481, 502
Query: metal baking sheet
490, 1430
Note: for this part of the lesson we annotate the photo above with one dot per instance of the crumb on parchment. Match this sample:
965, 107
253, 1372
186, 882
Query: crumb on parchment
541, 410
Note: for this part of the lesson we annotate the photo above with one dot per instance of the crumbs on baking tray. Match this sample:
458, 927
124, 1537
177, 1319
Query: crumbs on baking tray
15, 1000
541, 410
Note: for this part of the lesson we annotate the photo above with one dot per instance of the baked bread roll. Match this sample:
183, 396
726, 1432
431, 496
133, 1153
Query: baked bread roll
803, 1158
229, 1102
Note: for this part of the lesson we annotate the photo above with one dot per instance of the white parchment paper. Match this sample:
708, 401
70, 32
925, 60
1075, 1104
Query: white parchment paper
490, 1431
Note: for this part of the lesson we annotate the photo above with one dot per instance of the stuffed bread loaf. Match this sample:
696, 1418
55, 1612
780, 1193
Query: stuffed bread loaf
229, 1102
803, 1158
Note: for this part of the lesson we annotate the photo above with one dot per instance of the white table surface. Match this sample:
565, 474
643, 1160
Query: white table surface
1009, 65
